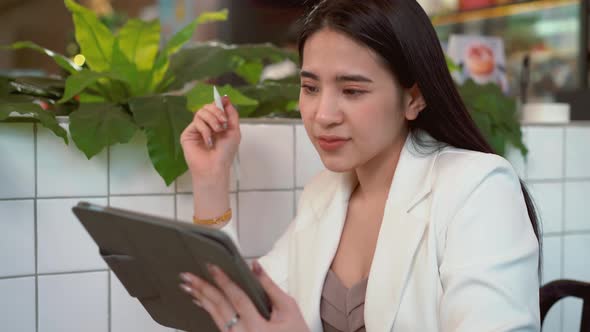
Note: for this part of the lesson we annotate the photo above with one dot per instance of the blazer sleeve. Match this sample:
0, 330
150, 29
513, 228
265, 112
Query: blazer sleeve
489, 265
276, 262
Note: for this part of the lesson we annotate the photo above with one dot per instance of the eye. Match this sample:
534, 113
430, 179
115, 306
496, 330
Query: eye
309, 88
353, 92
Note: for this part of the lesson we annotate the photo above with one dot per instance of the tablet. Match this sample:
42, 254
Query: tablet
147, 254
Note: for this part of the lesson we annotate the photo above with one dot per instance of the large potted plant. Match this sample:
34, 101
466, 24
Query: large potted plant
494, 112
123, 82
127, 83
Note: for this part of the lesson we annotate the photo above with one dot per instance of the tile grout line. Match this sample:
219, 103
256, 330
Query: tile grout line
109, 293
141, 195
559, 180
568, 233
237, 212
35, 232
294, 171
175, 199
175, 211
562, 240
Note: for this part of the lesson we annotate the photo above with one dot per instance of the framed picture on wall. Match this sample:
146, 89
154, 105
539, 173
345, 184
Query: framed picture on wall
480, 58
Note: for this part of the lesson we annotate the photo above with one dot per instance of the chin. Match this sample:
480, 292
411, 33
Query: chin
338, 165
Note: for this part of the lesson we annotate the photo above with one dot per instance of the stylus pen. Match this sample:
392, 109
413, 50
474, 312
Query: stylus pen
218, 103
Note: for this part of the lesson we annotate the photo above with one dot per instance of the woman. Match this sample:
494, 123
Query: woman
415, 225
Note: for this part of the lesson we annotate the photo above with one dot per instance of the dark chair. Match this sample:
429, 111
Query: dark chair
554, 291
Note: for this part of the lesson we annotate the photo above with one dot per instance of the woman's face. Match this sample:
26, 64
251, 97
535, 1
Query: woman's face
352, 107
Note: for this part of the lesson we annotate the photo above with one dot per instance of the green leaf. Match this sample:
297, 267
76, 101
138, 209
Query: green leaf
139, 42
250, 71
208, 17
90, 98
76, 83
494, 113
273, 97
176, 42
212, 59
185, 34
126, 69
451, 65
95, 39
202, 94
135, 52
98, 125
46, 118
48, 87
158, 73
5, 87
61, 60
163, 118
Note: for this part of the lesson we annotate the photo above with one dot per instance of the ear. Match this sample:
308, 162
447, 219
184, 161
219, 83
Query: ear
415, 102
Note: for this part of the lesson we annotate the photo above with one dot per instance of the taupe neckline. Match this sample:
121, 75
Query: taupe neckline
342, 308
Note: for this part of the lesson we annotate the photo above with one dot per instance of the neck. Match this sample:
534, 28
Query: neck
375, 176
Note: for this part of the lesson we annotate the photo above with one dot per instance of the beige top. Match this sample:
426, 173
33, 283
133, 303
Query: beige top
341, 308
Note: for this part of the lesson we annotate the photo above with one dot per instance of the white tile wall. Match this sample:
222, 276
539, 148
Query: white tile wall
73, 302
266, 157
184, 182
545, 158
551, 258
17, 169
307, 160
577, 152
552, 271
577, 210
572, 314
576, 249
263, 217
65, 171
71, 298
127, 313
63, 243
131, 171
553, 321
17, 304
17, 238
548, 198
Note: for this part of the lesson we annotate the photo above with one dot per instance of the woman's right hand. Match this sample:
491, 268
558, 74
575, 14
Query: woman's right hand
210, 142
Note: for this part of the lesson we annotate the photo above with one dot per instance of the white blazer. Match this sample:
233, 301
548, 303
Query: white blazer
455, 251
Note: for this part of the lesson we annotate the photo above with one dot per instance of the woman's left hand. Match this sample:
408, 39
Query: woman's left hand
232, 310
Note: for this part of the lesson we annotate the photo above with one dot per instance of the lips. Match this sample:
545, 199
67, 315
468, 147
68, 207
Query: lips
332, 143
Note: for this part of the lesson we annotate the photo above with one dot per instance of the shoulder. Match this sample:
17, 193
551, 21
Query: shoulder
458, 169
469, 166
460, 174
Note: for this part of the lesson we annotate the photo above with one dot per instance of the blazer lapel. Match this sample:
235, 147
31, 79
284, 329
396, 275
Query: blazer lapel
317, 244
399, 236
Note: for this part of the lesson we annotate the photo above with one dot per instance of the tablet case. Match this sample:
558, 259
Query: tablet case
147, 253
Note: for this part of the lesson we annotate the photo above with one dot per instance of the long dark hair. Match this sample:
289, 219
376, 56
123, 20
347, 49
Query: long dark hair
402, 34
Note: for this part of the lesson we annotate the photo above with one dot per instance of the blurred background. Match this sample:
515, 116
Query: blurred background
528, 92
552, 35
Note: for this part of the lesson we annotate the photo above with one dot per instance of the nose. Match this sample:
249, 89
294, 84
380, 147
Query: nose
328, 111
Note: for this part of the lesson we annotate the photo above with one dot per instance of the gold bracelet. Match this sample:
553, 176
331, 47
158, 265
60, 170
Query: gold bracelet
214, 221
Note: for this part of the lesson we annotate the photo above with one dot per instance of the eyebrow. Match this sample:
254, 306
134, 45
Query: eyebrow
339, 78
